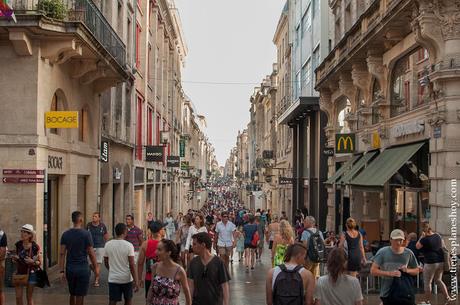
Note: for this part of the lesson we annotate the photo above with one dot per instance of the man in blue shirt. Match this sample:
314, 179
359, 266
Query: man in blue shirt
76, 246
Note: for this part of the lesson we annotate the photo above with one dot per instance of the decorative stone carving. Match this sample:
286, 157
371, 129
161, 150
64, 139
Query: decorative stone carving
360, 76
384, 132
366, 137
325, 103
437, 117
375, 66
21, 42
58, 52
346, 86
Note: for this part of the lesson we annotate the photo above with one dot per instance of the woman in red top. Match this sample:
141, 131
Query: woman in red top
148, 255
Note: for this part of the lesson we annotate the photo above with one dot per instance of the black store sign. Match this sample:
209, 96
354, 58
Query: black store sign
285, 180
54, 162
173, 161
104, 151
154, 153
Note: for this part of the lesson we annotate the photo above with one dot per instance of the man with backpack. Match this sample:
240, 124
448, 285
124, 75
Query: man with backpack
397, 266
313, 240
290, 283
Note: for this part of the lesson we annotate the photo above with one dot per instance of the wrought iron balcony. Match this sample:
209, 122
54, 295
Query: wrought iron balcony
86, 12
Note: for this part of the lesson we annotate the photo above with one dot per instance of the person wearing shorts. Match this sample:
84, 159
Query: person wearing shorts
99, 235
119, 259
225, 240
76, 247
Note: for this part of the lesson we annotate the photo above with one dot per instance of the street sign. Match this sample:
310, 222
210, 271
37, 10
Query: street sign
173, 161
328, 151
154, 153
24, 172
437, 132
285, 180
22, 180
345, 143
182, 148
61, 119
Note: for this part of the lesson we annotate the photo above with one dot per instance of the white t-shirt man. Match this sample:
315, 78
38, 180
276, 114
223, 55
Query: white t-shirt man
225, 232
118, 252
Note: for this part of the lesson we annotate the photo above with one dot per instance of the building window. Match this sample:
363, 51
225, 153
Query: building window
306, 77
298, 85
139, 142
422, 54
306, 21
316, 7
423, 94
83, 125
376, 97
361, 104
150, 127
400, 87
343, 108
138, 37
315, 62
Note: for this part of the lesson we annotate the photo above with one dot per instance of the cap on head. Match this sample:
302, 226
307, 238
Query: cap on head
397, 234
28, 228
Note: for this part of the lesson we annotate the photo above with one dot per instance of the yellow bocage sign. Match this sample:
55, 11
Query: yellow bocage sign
375, 140
61, 119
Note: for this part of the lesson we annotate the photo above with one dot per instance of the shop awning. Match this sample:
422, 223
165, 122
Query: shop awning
347, 176
338, 173
385, 165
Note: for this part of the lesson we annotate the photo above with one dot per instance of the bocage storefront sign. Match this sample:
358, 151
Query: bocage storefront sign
61, 119
345, 143
154, 153
104, 151
54, 162
173, 161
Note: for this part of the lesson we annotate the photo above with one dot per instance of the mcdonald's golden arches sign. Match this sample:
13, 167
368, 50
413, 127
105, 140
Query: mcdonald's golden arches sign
345, 143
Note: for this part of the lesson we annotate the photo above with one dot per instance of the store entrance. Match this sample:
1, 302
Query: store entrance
52, 216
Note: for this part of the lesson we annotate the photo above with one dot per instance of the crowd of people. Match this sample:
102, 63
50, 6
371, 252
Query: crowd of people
192, 253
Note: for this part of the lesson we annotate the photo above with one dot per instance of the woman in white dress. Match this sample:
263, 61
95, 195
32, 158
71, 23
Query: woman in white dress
170, 226
197, 227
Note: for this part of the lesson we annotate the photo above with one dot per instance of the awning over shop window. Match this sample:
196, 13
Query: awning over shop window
338, 173
385, 165
348, 175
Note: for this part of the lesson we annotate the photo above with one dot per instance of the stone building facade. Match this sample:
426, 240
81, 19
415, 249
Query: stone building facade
392, 80
60, 64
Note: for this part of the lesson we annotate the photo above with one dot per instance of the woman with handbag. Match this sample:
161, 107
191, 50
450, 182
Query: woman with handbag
431, 246
28, 260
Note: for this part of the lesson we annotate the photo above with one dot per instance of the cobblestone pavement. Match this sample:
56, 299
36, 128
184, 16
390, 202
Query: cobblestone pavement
245, 289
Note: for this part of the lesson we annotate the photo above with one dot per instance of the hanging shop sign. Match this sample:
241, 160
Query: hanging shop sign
182, 148
61, 119
405, 129
437, 132
173, 161
376, 140
345, 143
104, 151
284, 180
328, 151
154, 153
184, 165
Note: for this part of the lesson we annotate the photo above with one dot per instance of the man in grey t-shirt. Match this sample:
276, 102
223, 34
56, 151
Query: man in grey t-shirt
390, 260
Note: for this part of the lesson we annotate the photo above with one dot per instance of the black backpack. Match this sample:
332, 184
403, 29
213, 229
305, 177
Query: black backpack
316, 248
401, 290
288, 288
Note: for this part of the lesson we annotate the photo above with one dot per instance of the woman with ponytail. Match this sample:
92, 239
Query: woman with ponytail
168, 277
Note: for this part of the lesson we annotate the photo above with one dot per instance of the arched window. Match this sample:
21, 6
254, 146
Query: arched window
376, 96
57, 104
400, 87
343, 107
360, 105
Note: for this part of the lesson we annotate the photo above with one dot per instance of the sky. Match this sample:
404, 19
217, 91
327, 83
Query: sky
228, 42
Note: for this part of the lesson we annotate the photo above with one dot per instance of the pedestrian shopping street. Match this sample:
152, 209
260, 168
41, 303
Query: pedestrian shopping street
245, 289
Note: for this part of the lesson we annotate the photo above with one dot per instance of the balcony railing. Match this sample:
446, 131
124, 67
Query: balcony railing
285, 102
86, 12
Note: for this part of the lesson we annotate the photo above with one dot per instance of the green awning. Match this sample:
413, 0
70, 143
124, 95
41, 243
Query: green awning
385, 165
356, 167
338, 173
